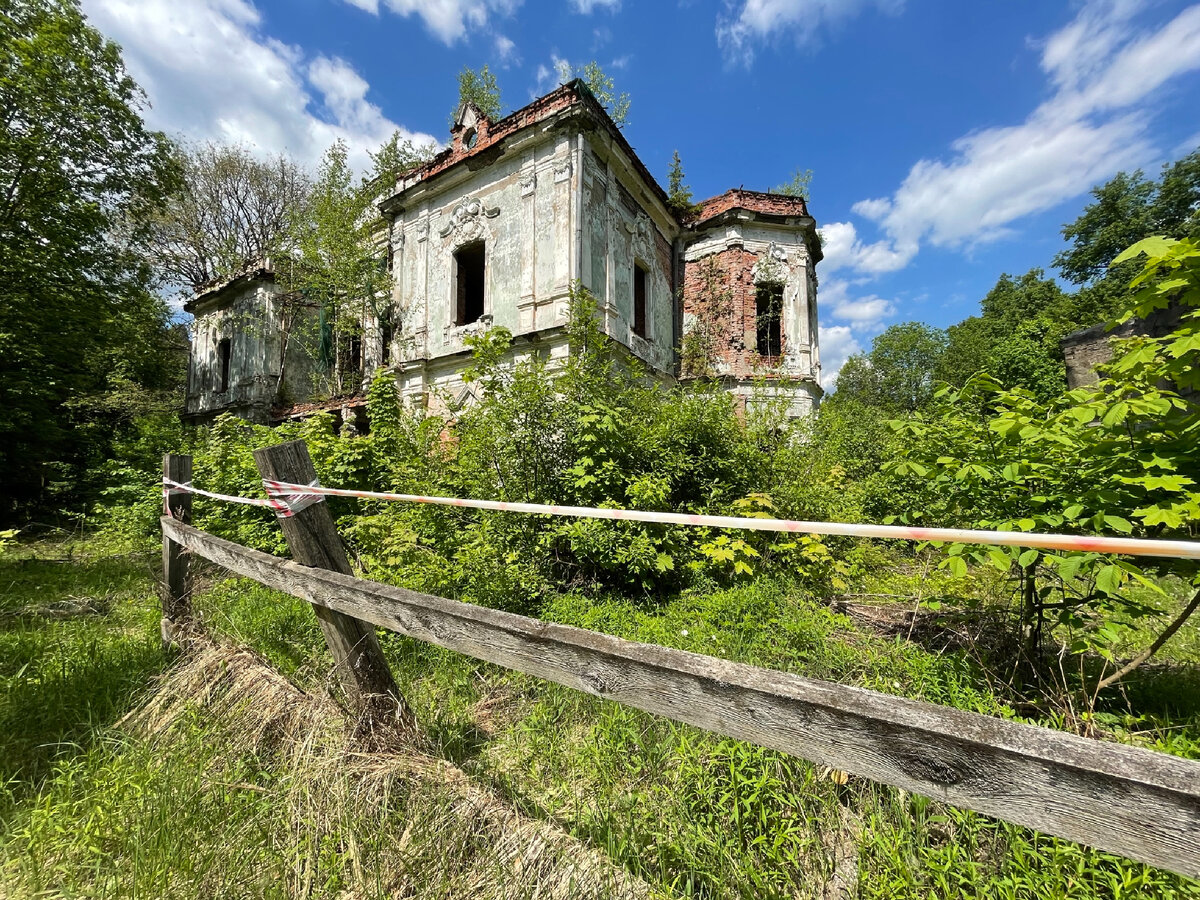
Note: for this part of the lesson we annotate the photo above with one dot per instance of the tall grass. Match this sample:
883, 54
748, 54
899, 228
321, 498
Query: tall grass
236, 778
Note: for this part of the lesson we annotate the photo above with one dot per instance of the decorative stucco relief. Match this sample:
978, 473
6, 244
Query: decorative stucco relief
772, 266
466, 221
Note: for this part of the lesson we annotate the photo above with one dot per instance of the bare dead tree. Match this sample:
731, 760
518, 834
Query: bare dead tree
233, 208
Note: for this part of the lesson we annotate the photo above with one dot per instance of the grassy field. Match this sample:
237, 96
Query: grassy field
238, 777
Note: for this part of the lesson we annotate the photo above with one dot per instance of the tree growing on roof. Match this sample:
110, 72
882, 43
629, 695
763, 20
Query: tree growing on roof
478, 88
797, 186
602, 87
679, 195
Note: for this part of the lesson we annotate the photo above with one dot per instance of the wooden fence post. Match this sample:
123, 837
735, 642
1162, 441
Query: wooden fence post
313, 540
176, 583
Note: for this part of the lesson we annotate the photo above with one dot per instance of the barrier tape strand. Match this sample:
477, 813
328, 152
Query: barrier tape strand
1084, 543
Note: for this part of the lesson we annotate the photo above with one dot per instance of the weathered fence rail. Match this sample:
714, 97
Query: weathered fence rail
1128, 800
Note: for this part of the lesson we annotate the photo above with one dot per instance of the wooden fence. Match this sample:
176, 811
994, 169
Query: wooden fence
1127, 800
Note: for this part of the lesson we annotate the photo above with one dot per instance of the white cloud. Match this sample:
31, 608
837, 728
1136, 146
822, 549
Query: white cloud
210, 74
865, 316
587, 7
1102, 68
865, 313
837, 343
1078, 51
506, 51
767, 21
548, 77
843, 249
869, 310
448, 19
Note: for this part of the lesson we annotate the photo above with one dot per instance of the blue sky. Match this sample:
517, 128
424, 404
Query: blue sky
949, 141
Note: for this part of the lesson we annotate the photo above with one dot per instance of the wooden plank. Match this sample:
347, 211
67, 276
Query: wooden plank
176, 586
313, 540
1128, 800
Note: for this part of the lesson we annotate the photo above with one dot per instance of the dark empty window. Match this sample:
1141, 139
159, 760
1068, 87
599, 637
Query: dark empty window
768, 311
223, 348
639, 301
355, 354
468, 272
387, 331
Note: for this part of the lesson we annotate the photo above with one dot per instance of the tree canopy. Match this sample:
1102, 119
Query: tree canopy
232, 207
1126, 209
80, 175
479, 88
898, 372
1015, 336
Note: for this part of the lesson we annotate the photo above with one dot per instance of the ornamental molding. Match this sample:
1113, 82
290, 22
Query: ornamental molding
466, 221
772, 265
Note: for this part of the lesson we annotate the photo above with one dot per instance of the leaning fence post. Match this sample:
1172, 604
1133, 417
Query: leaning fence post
176, 581
313, 540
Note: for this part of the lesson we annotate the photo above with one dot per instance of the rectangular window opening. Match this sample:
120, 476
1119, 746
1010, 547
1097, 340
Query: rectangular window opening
768, 315
386, 335
355, 354
223, 352
469, 281
639, 300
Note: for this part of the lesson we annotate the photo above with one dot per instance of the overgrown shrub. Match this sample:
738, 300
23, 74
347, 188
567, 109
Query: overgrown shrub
594, 431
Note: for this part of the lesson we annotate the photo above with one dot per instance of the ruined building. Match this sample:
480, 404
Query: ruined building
495, 229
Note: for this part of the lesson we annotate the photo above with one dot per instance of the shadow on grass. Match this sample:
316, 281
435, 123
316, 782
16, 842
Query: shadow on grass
62, 677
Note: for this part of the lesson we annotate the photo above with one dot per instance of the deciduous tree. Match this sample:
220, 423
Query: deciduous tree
233, 207
898, 372
480, 89
602, 87
79, 175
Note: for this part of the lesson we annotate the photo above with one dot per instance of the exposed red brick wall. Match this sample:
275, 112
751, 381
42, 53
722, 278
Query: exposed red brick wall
756, 201
491, 133
732, 320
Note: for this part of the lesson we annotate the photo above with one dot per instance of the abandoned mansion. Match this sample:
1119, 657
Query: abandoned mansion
495, 231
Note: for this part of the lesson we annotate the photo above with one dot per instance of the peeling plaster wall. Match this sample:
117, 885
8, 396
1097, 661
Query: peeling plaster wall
548, 213
521, 208
246, 316
249, 315
619, 233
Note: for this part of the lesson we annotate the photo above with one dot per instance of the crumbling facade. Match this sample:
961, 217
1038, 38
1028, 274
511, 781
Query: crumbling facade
496, 229
1084, 351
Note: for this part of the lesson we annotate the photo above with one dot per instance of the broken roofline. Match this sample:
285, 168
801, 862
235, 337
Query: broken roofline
574, 92
561, 98
250, 271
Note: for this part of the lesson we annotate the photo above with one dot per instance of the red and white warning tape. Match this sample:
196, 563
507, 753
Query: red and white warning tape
286, 499
285, 503
1123, 546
